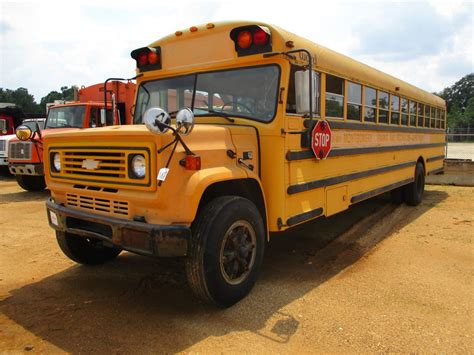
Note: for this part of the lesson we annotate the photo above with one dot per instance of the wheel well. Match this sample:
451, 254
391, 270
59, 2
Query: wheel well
246, 188
422, 161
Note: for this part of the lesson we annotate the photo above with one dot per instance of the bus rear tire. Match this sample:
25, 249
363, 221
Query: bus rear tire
226, 251
31, 183
413, 193
84, 250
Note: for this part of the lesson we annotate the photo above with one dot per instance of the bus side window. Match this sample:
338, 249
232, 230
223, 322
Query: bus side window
354, 101
404, 112
334, 96
370, 104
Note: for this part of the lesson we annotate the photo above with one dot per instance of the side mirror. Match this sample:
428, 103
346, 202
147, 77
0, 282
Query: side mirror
302, 91
185, 121
156, 120
23, 133
103, 118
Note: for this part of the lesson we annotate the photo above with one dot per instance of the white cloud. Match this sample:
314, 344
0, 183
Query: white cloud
48, 44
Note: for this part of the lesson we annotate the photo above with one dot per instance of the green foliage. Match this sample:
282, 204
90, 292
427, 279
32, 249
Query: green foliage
26, 101
21, 98
460, 101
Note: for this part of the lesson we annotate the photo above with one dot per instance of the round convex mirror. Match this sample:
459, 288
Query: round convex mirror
23, 133
156, 120
185, 121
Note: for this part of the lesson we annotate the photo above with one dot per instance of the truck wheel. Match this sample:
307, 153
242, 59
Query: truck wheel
31, 183
413, 193
226, 251
84, 250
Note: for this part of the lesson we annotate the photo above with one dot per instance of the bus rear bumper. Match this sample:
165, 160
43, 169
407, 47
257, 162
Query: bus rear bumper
137, 237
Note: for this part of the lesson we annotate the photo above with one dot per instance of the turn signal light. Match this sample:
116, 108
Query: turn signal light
153, 58
191, 162
142, 59
244, 39
147, 58
260, 37
251, 39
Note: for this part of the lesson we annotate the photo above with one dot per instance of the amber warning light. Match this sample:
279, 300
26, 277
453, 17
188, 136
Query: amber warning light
147, 58
252, 39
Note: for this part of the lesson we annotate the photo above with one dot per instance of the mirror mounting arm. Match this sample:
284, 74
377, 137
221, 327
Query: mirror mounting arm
177, 138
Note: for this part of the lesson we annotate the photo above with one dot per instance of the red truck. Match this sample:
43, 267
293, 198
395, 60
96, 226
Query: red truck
25, 157
11, 117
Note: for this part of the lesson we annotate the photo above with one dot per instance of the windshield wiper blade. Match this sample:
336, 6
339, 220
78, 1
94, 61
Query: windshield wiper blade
217, 113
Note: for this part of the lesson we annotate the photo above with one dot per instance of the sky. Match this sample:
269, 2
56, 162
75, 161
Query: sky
48, 44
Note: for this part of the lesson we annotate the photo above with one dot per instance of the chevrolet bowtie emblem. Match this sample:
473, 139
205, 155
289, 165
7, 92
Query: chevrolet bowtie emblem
90, 164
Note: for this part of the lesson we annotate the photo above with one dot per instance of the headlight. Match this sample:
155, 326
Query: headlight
57, 162
139, 166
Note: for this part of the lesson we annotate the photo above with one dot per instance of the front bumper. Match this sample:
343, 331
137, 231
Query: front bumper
137, 237
3, 161
26, 169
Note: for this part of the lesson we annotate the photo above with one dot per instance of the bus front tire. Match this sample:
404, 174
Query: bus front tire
413, 193
84, 250
31, 183
226, 251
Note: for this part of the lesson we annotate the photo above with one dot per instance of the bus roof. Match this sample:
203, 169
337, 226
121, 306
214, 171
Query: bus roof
326, 59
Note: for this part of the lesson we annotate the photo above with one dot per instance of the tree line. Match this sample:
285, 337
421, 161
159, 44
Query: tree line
459, 99
22, 98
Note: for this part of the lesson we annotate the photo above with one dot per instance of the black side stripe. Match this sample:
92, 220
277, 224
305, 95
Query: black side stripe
355, 126
380, 190
435, 171
438, 157
308, 154
304, 216
292, 189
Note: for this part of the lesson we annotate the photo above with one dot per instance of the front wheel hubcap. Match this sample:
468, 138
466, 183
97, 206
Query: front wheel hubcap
238, 251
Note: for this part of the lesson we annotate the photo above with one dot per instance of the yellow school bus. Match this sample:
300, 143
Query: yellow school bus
240, 129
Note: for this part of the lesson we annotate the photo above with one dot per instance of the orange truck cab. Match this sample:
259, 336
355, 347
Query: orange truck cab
25, 157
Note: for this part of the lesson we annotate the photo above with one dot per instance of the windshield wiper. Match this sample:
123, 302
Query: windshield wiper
217, 113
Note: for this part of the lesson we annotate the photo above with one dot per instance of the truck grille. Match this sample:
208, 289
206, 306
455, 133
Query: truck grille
19, 150
3, 145
101, 205
107, 165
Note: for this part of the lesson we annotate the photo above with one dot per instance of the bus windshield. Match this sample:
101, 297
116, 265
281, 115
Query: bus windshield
244, 92
66, 117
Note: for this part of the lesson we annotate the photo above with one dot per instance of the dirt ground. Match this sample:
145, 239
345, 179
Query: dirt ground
378, 277
460, 151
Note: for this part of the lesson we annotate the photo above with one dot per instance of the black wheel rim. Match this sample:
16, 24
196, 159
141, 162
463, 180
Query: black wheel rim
238, 251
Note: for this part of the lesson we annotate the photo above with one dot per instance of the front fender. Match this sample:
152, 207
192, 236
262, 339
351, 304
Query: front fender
201, 180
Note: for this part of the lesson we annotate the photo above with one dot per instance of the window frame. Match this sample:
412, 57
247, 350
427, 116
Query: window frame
370, 106
337, 95
387, 110
348, 83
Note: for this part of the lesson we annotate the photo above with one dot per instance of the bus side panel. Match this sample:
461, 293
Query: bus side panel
335, 183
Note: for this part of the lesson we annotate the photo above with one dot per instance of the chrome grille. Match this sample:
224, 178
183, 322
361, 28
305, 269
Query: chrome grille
3, 145
101, 165
98, 204
109, 164
19, 150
